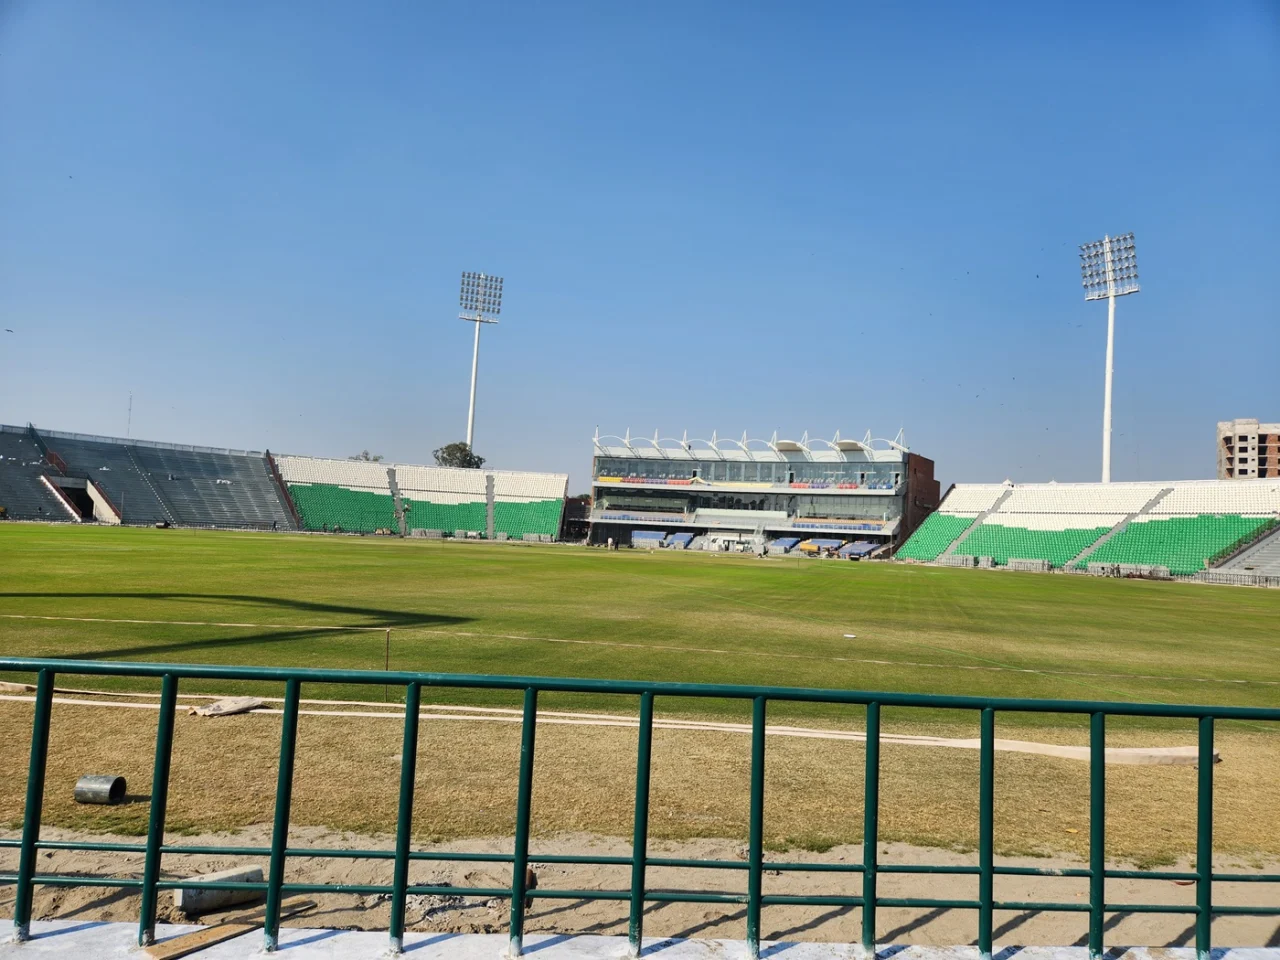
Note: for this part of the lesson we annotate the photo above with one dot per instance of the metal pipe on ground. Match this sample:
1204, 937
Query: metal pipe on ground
99, 788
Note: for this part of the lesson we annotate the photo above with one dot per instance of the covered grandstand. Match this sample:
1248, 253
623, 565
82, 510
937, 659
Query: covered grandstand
1177, 528
81, 478
751, 493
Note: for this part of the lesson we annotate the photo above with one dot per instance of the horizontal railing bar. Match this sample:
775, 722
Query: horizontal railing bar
459, 856
679, 896
925, 902
1150, 875
1074, 872
6, 844
1150, 908
58, 880
1246, 877
669, 896
578, 894
815, 867
587, 861
925, 868
800, 900
705, 864
1029, 905
630, 687
91, 847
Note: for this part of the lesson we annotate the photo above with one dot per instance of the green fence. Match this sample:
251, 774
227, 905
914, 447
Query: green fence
639, 892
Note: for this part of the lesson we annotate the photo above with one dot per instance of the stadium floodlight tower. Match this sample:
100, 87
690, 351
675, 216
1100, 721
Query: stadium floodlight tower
1109, 269
481, 302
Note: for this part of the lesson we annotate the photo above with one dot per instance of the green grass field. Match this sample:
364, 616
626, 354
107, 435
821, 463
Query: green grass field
569, 611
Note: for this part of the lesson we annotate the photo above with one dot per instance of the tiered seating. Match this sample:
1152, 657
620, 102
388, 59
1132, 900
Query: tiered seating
528, 502
679, 540
22, 494
349, 495
443, 498
1081, 498
933, 536
109, 464
972, 498
207, 487
782, 544
1057, 538
1194, 523
648, 538
328, 507
1183, 544
1245, 497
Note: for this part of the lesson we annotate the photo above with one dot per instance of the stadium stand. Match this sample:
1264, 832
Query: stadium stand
442, 498
356, 496
208, 487
1057, 538
933, 536
528, 502
679, 541
1261, 559
22, 464
1183, 526
137, 481
1183, 544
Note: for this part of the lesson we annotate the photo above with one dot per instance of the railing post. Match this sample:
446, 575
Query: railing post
986, 820
35, 802
1097, 832
640, 833
1204, 840
159, 805
524, 796
280, 827
755, 840
870, 830
404, 815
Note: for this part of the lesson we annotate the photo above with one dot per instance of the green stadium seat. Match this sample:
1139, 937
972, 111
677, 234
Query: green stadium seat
1001, 543
1183, 544
933, 536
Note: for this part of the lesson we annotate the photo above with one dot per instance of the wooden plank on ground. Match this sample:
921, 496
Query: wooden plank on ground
188, 943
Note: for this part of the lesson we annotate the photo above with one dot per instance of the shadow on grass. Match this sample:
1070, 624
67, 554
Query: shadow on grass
376, 619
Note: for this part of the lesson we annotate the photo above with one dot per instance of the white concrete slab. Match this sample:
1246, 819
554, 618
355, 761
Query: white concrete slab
73, 940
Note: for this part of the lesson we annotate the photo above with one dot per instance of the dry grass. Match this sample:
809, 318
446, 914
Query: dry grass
347, 771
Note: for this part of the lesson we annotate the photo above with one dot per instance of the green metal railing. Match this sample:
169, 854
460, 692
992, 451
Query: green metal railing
639, 892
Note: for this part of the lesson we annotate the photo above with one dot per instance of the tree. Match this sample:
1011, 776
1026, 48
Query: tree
366, 457
457, 455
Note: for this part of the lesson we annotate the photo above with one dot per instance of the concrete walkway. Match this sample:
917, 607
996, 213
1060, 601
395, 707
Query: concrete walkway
84, 940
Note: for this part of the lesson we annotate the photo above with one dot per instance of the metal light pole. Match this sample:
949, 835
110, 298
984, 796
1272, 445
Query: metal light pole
1109, 269
481, 302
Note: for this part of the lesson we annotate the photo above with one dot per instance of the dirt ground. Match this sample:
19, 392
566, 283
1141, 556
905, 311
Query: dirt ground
452, 914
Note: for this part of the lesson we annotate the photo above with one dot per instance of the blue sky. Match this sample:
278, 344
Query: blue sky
737, 216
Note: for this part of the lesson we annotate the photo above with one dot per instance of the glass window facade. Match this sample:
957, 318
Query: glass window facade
750, 471
798, 505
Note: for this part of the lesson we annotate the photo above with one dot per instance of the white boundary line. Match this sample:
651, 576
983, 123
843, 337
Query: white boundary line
1120, 755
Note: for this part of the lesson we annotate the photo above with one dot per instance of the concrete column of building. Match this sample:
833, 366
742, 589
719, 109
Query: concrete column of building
488, 506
